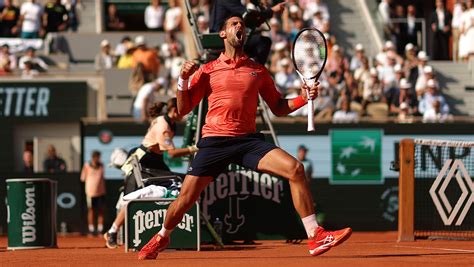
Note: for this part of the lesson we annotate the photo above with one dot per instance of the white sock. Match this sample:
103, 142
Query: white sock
113, 228
91, 228
100, 228
165, 232
310, 225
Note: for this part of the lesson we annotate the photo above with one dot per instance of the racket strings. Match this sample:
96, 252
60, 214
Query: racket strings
309, 53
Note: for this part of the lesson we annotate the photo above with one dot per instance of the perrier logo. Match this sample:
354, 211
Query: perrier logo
356, 157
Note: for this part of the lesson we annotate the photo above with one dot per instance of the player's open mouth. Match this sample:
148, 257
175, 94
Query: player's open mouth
239, 34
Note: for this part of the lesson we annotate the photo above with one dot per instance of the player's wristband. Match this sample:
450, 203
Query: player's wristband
182, 84
298, 102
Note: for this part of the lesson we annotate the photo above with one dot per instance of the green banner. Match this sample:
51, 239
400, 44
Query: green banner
145, 217
356, 157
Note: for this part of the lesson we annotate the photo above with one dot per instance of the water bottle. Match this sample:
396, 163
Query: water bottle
218, 227
63, 228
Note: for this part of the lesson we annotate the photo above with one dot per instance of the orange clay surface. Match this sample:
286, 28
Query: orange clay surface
362, 249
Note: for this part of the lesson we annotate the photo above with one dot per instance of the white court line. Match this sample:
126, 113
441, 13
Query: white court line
432, 248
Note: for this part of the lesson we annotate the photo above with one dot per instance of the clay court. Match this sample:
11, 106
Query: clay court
363, 249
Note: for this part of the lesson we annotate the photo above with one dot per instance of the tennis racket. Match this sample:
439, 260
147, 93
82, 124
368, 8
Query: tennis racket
309, 57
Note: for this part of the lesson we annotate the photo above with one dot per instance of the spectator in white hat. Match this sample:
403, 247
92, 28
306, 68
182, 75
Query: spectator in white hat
146, 58
280, 53
276, 34
432, 94
373, 90
104, 59
356, 60
403, 97
285, 78
422, 80
203, 24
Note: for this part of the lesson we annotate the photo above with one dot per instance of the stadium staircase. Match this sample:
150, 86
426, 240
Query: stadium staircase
349, 27
457, 85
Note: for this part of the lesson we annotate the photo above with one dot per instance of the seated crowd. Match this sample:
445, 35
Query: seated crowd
396, 83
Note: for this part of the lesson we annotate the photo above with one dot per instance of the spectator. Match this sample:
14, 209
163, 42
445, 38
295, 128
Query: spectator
314, 6
114, 22
173, 64
432, 94
384, 12
308, 166
173, 17
146, 98
373, 90
398, 36
7, 59
276, 34
434, 114
404, 97
467, 32
387, 74
31, 14
356, 60
9, 16
147, 58
203, 24
324, 104
28, 161
280, 53
362, 75
440, 26
337, 62
53, 163
29, 72
410, 29
154, 14
123, 46
104, 59
93, 176
345, 115
317, 21
458, 9
126, 60
73, 8
285, 77
36, 62
404, 114
422, 80
56, 16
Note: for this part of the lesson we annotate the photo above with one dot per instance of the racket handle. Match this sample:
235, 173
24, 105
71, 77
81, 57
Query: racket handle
310, 115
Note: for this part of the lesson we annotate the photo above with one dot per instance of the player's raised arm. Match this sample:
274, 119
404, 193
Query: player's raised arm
281, 106
189, 94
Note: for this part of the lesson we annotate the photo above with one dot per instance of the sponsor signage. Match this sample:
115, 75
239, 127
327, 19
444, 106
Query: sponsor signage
145, 217
453, 169
356, 156
31, 213
45, 101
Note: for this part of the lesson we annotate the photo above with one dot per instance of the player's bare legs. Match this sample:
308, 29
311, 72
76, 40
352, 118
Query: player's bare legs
190, 192
282, 164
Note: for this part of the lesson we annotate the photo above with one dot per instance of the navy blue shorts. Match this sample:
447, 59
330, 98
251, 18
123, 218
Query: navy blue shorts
217, 152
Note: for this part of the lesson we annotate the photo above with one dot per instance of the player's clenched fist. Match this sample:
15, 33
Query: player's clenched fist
313, 91
188, 68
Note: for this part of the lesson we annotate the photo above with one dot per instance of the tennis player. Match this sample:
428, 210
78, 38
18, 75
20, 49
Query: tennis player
232, 84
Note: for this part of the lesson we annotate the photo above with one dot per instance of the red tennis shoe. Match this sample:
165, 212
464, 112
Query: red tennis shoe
153, 247
324, 240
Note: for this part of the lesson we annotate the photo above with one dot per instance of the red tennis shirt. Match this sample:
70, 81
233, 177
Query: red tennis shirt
232, 89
